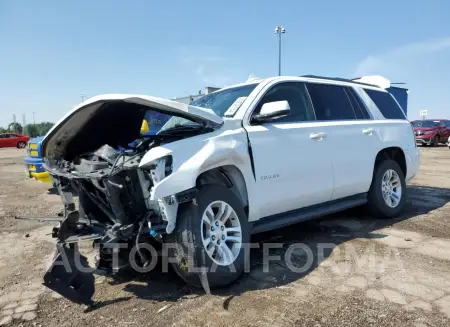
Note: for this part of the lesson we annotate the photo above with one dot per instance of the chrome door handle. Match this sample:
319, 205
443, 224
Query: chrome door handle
368, 131
317, 136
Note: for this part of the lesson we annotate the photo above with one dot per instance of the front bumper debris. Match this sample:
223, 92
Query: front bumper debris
70, 276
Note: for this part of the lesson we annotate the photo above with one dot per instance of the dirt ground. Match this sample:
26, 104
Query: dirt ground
370, 272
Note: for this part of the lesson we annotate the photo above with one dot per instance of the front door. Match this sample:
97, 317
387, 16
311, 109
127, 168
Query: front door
291, 154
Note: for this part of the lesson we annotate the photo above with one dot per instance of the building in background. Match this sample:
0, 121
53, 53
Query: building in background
188, 99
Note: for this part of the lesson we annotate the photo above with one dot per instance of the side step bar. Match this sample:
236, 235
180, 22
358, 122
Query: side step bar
296, 216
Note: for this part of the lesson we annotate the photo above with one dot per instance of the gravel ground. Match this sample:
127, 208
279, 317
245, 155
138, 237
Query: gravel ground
364, 272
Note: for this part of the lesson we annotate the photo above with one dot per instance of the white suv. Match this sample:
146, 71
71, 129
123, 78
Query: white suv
245, 159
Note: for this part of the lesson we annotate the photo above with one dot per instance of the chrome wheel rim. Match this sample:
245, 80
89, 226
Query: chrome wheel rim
391, 188
221, 233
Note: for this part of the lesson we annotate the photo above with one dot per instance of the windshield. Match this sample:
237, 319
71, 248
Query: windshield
224, 104
425, 123
221, 101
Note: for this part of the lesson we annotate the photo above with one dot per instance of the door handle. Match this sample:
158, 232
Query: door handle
317, 136
368, 131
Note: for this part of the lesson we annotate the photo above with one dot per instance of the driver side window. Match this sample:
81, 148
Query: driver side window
296, 95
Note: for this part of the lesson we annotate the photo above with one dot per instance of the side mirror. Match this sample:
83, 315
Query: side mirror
273, 110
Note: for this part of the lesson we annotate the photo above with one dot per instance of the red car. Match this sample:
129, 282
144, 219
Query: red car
431, 132
13, 140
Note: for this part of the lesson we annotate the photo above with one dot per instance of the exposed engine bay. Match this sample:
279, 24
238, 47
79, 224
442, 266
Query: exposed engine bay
114, 192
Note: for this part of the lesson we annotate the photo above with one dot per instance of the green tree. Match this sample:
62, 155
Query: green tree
40, 129
2, 130
44, 127
15, 127
31, 130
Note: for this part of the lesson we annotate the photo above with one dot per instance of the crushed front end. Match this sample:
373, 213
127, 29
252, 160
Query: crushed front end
94, 153
114, 211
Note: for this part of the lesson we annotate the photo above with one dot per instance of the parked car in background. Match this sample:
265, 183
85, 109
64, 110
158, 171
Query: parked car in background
33, 162
431, 132
13, 140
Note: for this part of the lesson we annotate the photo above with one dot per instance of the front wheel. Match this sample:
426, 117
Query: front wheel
387, 194
211, 232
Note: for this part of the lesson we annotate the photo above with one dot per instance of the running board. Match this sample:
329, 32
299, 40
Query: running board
296, 216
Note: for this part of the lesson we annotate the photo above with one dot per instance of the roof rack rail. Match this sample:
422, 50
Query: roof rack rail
337, 79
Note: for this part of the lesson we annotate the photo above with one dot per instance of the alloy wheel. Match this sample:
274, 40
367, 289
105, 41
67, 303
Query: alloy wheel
221, 233
391, 188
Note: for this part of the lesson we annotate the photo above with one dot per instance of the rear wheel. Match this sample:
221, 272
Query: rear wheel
21, 145
387, 194
210, 232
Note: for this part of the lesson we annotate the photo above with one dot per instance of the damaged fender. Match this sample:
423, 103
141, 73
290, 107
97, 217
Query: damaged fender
190, 158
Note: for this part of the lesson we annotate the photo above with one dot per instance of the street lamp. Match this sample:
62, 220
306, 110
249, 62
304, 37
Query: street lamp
82, 97
279, 30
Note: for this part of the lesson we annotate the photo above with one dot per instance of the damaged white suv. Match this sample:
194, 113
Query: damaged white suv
245, 159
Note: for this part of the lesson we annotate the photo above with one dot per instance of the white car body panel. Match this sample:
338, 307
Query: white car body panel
286, 160
226, 146
292, 169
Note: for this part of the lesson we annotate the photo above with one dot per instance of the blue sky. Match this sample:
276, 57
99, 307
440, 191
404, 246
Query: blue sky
52, 51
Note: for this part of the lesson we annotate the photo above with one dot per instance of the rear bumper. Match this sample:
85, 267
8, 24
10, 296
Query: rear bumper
412, 156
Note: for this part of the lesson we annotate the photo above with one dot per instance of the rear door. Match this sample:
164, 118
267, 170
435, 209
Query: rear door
352, 137
292, 165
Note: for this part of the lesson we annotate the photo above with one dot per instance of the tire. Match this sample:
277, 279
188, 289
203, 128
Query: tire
377, 204
21, 145
189, 232
435, 141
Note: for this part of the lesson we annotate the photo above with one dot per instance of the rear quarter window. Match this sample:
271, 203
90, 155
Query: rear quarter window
386, 104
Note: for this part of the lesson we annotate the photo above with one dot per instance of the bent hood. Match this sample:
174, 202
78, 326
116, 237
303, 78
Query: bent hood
113, 119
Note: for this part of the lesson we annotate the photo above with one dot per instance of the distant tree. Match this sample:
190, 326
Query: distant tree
2, 130
40, 129
15, 127
44, 127
31, 130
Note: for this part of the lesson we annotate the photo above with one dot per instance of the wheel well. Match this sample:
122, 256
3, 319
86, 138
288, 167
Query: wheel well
393, 153
228, 176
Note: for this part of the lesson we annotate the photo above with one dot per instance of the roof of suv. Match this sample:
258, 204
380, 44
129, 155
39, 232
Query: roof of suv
312, 78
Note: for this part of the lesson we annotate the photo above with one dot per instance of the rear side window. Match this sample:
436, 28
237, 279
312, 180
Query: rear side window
358, 105
386, 104
330, 102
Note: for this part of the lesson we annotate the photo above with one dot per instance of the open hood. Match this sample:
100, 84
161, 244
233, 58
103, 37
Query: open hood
113, 119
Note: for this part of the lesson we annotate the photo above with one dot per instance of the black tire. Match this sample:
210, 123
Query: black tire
376, 204
21, 145
187, 235
435, 141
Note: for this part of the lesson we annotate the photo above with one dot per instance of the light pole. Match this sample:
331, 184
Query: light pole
279, 30
82, 97
34, 121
